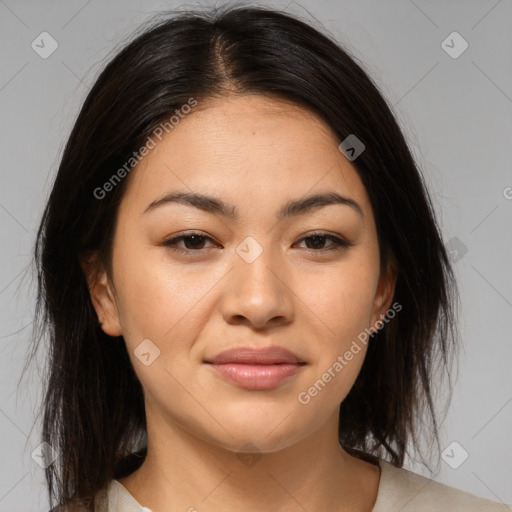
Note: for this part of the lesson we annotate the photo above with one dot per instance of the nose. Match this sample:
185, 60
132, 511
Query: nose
258, 293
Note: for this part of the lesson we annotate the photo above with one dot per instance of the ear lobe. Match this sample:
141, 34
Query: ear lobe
102, 298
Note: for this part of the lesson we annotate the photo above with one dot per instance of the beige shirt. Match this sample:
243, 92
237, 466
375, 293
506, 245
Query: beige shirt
400, 490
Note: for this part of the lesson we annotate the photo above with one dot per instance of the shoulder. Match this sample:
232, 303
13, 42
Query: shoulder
401, 489
70, 507
100, 503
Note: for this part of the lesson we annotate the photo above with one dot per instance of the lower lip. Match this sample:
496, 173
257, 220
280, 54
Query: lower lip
257, 376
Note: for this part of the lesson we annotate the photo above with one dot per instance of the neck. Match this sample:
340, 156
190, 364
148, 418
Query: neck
185, 472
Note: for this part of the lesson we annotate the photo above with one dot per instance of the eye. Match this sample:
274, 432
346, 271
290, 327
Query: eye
316, 241
192, 242
195, 242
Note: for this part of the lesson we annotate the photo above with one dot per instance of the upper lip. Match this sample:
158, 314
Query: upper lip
248, 355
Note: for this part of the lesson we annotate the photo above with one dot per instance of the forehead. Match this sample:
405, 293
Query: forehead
253, 151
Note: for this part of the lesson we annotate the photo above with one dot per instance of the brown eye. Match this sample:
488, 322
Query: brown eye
191, 242
194, 241
316, 242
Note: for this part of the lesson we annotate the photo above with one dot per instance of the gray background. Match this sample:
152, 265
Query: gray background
457, 117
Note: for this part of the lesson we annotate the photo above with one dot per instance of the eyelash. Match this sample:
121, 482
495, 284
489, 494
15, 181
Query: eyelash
337, 245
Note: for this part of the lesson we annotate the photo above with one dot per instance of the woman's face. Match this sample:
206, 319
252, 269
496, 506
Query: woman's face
255, 275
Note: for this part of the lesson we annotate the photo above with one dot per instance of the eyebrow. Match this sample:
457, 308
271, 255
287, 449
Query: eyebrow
291, 208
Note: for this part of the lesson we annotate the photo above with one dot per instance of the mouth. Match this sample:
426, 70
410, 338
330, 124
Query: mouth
256, 369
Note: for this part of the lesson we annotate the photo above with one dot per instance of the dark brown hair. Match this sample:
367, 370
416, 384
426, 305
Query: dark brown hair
93, 405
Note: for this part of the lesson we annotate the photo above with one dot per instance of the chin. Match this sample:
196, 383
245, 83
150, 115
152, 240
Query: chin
257, 442
253, 432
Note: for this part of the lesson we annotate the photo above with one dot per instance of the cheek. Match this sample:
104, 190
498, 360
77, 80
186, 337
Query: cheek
340, 304
342, 299
161, 300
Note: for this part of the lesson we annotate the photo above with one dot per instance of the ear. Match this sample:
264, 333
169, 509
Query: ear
385, 292
102, 297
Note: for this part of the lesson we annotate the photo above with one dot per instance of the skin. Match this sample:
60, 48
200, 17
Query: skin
255, 153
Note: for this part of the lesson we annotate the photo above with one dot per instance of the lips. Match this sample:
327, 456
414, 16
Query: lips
245, 355
256, 369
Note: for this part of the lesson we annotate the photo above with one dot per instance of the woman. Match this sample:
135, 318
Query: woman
243, 282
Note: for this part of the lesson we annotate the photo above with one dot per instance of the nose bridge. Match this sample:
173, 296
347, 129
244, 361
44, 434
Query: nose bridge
257, 289
257, 266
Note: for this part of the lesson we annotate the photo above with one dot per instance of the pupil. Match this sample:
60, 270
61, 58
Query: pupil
197, 238
317, 241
